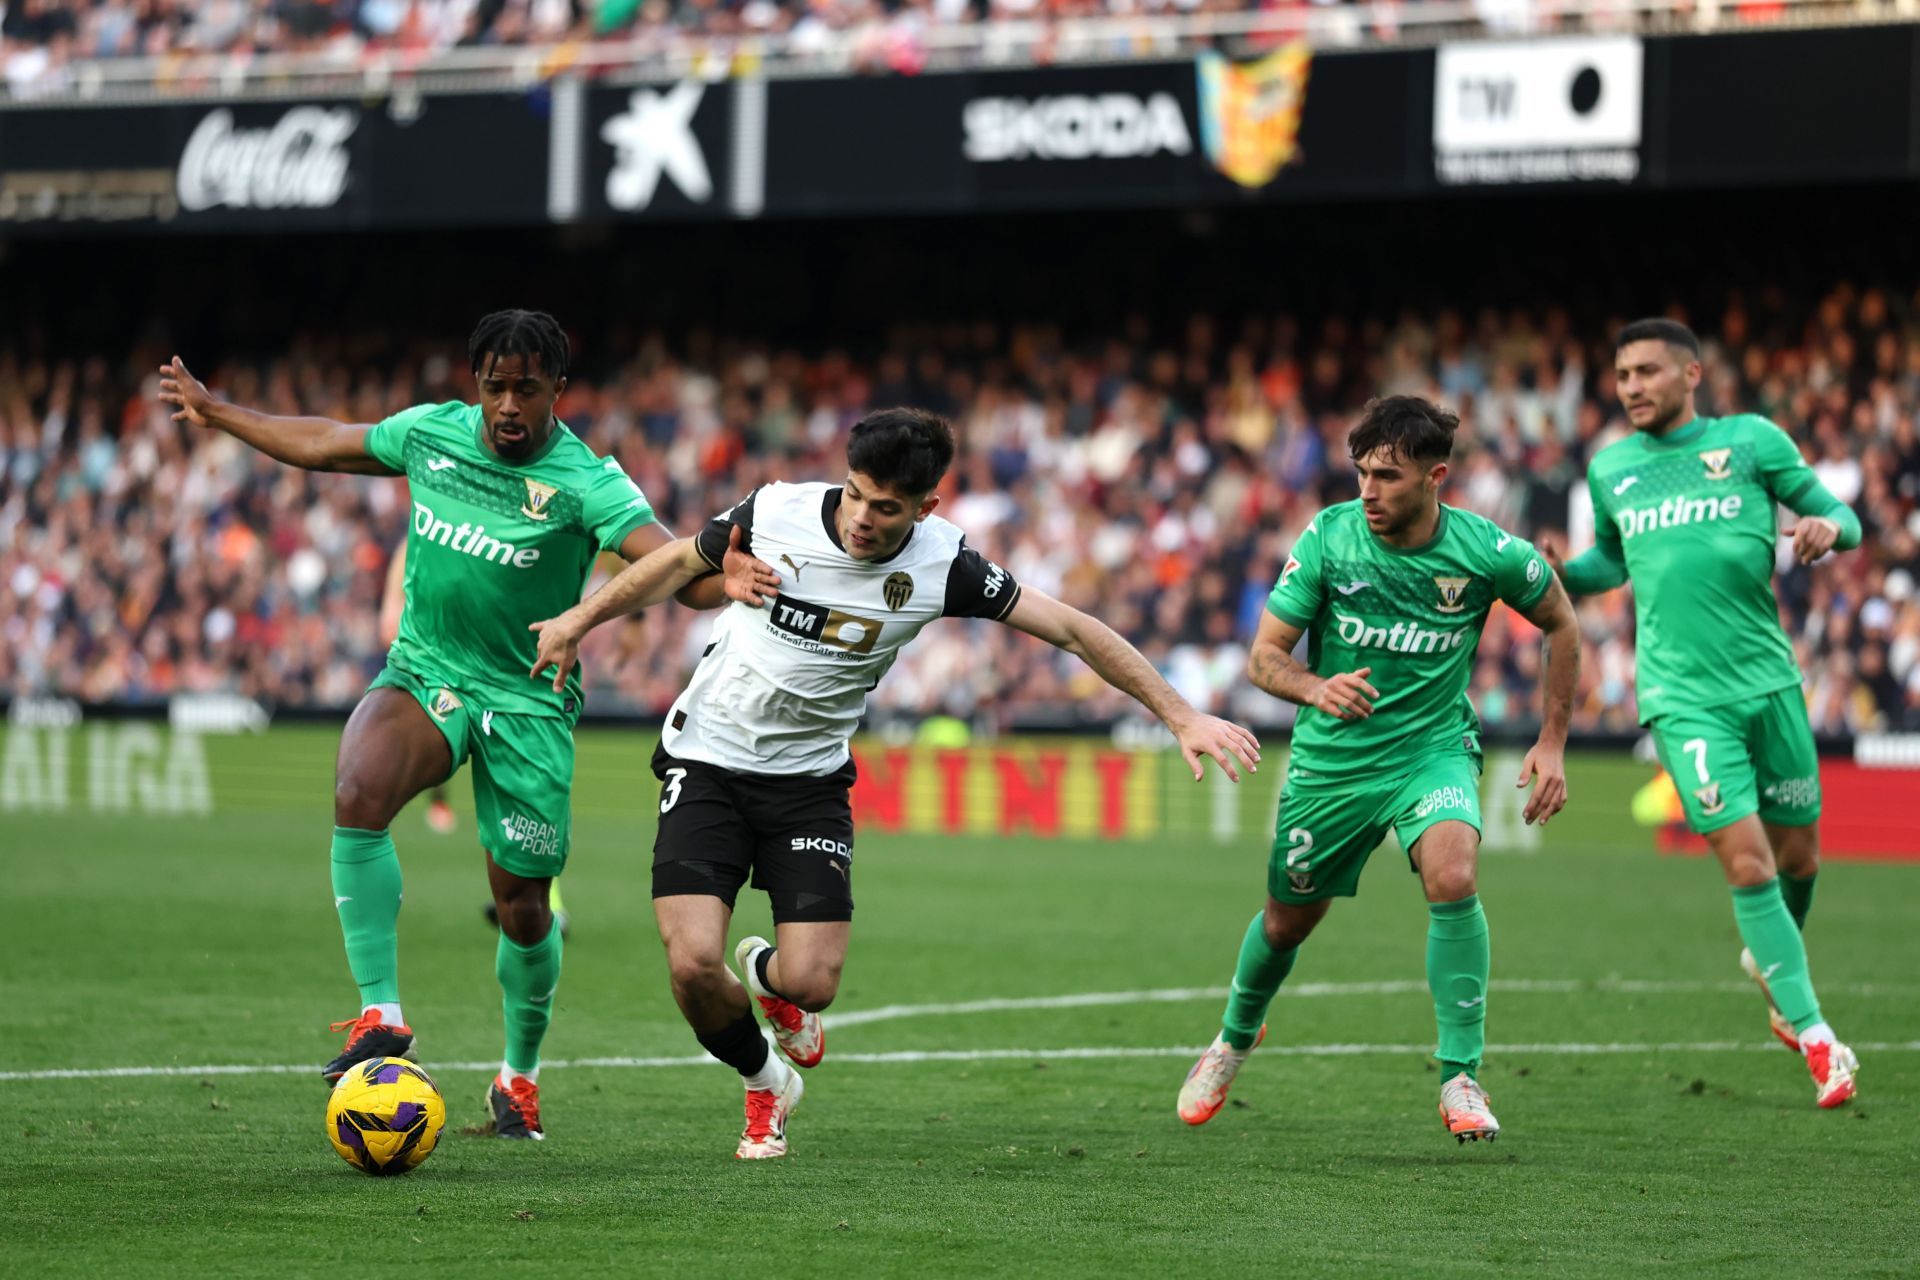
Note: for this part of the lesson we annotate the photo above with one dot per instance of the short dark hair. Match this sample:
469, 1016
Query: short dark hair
1659, 329
520, 333
907, 450
1407, 427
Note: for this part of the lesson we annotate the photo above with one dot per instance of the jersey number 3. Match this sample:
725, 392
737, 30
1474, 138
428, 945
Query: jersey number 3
674, 778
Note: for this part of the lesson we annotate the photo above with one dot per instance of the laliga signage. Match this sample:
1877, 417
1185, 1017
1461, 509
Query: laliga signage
298, 162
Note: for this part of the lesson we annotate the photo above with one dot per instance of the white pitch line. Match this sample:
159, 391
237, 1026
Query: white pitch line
1312, 990
978, 1055
1091, 999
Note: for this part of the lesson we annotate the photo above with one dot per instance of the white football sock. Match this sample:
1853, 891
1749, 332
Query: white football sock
771, 1076
1818, 1033
752, 975
389, 1014
508, 1071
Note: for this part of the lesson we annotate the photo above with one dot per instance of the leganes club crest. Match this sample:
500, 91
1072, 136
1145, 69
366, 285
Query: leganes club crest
445, 703
1453, 593
1716, 460
1709, 798
538, 496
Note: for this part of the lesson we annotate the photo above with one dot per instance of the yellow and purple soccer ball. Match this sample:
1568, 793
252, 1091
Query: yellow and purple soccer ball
385, 1116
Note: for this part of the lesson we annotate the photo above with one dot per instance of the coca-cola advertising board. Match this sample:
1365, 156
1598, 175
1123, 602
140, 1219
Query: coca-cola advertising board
276, 166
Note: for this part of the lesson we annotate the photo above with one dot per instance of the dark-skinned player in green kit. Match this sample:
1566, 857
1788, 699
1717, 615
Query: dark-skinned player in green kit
508, 511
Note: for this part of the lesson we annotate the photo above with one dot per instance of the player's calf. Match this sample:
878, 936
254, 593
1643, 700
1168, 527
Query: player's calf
796, 1030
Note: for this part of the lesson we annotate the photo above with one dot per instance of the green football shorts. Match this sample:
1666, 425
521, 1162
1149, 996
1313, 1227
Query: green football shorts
522, 773
1327, 830
1751, 756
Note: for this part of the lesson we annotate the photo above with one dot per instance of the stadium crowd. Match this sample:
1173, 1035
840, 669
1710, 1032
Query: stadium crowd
1155, 479
42, 40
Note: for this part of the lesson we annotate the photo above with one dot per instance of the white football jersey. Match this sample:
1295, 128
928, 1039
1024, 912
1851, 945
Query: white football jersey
782, 688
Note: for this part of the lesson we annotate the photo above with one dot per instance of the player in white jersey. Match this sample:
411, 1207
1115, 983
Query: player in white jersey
754, 762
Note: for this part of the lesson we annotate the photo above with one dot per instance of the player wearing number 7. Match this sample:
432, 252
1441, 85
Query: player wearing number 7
1392, 592
1684, 508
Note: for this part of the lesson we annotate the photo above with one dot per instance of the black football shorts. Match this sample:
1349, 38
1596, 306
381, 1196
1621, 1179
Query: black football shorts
792, 836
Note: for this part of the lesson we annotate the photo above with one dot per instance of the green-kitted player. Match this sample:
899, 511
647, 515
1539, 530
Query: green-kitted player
1684, 509
1392, 592
509, 509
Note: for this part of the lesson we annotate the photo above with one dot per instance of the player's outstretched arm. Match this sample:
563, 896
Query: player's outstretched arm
742, 575
315, 444
1548, 760
1122, 666
649, 580
1272, 669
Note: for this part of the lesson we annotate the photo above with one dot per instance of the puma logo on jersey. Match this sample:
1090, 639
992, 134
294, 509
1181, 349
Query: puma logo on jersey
1625, 485
787, 560
1348, 588
440, 464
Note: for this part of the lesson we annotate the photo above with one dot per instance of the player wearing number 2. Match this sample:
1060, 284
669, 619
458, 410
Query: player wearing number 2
1392, 591
1684, 508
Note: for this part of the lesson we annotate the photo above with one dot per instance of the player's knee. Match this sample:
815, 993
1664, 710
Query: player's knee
525, 920
362, 804
696, 975
1285, 930
1798, 854
1452, 882
813, 990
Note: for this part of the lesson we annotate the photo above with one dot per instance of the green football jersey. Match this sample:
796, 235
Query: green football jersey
494, 546
1412, 614
1689, 518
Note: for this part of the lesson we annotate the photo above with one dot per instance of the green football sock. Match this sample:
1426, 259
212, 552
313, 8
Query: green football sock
1458, 962
1767, 927
1797, 893
1256, 978
366, 893
528, 978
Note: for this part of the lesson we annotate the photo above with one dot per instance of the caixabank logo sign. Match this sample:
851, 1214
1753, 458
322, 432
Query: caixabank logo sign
1540, 111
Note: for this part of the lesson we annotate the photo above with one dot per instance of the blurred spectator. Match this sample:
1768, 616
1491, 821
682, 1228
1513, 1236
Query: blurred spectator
40, 38
1157, 483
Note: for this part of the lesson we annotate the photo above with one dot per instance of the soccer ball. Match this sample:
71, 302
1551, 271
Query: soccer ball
385, 1116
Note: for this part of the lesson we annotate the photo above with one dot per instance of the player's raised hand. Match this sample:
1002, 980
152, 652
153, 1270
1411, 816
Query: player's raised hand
1346, 696
1549, 765
1224, 740
1813, 537
559, 648
186, 392
1551, 550
750, 580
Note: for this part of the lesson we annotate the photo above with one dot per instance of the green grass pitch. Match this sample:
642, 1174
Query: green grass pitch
1648, 1124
